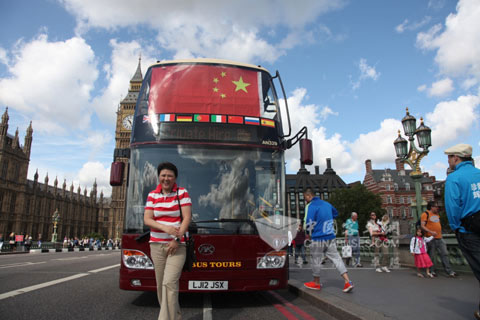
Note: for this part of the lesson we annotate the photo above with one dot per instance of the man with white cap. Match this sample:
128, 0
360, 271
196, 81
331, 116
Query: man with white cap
462, 202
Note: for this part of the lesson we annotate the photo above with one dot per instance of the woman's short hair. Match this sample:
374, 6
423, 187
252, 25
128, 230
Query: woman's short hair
169, 166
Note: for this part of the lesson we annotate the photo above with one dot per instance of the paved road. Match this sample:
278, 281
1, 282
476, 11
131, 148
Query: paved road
396, 295
84, 285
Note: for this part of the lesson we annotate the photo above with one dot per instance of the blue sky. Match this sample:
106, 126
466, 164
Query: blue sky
350, 68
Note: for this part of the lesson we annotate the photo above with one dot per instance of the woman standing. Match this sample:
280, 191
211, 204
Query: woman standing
380, 241
168, 213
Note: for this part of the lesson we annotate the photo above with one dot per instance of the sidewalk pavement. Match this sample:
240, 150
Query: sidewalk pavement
399, 294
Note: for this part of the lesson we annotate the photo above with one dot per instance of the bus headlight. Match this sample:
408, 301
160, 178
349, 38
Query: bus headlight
272, 260
135, 259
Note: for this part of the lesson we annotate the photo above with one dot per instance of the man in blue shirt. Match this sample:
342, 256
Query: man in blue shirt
319, 221
462, 200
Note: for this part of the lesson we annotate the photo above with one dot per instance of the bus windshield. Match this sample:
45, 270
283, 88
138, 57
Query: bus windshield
229, 186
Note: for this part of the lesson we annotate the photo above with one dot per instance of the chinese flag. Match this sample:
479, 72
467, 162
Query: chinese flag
235, 119
208, 89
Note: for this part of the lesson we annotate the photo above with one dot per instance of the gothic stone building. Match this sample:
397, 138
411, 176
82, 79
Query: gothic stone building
26, 206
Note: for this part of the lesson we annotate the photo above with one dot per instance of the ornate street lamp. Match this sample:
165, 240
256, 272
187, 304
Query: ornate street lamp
413, 156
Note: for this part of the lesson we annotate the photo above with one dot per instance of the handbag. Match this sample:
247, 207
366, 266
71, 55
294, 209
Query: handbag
190, 258
346, 251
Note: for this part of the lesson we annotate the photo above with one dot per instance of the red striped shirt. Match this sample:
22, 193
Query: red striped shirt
166, 210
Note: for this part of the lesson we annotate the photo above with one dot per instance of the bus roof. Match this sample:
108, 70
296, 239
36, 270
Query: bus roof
210, 61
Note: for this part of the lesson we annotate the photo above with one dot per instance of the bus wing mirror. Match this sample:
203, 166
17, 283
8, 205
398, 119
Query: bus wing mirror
306, 151
116, 173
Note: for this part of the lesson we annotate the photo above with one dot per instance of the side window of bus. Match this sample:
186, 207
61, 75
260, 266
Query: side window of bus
269, 102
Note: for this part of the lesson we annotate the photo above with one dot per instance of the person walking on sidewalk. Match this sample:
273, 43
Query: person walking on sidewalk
417, 249
352, 238
462, 202
300, 244
430, 223
320, 222
379, 241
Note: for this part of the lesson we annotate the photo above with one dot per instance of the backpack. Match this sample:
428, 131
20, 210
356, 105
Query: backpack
419, 222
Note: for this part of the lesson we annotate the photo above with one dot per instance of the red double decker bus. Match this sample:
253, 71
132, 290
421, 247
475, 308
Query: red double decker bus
219, 122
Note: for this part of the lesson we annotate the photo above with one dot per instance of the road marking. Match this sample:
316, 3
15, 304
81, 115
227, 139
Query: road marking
299, 311
23, 264
207, 306
40, 286
72, 258
105, 268
51, 283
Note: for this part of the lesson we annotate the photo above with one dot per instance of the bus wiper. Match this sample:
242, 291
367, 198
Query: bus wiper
143, 237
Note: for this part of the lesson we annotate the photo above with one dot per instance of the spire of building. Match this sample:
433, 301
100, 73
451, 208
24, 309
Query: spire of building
138, 77
135, 85
15, 141
27, 146
4, 126
46, 182
5, 116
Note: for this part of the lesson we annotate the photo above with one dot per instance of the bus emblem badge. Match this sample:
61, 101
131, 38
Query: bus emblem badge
206, 249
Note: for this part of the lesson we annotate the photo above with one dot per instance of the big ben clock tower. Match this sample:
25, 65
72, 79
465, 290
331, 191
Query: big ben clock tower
122, 141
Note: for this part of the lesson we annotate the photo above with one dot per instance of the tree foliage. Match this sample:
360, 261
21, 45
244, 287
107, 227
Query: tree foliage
356, 199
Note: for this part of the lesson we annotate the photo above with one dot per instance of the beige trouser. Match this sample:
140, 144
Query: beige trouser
168, 270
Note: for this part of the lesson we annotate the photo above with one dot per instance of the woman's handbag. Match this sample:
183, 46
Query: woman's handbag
190, 258
346, 251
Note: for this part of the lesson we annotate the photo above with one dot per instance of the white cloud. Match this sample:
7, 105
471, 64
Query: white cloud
325, 112
469, 83
324, 146
3, 56
422, 88
441, 88
92, 171
366, 71
206, 28
96, 141
124, 62
458, 46
377, 145
51, 82
407, 26
436, 4
451, 120
401, 27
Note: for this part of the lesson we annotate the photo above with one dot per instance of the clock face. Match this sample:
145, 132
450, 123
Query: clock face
127, 122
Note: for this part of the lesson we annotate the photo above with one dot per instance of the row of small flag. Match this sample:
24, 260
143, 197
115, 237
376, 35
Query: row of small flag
255, 121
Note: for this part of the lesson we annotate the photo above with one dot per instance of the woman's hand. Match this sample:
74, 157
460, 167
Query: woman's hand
172, 247
171, 230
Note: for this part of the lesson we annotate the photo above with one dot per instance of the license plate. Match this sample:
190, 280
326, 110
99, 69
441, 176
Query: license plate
207, 285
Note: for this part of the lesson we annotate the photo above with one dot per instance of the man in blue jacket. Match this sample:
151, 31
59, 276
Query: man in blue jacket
462, 202
319, 222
